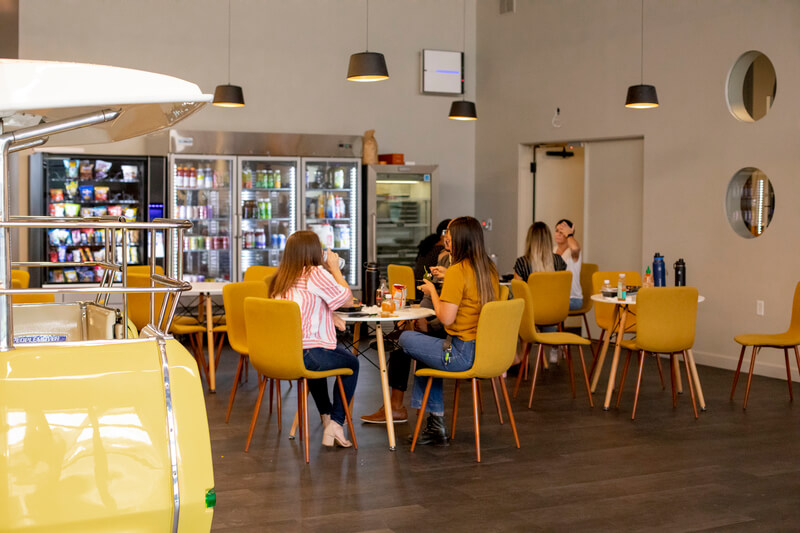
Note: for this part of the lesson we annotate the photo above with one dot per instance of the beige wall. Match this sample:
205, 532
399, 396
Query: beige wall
581, 55
291, 58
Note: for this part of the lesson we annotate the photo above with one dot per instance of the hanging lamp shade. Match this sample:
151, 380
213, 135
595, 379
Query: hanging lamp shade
367, 66
228, 96
463, 110
641, 97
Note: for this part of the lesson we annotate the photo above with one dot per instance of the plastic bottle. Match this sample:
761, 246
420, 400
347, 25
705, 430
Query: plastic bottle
383, 292
606, 286
321, 206
659, 270
267, 208
330, 207
648, 278
622, 288
277, 179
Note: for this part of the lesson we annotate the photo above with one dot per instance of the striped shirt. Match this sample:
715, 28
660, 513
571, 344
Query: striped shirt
318, 294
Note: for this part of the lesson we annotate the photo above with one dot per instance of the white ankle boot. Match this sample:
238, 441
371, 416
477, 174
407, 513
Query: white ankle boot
334, 435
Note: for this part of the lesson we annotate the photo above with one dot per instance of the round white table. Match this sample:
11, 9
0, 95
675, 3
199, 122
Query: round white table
621, 311
372, 314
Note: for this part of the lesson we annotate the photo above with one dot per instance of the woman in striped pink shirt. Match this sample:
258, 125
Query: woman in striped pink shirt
319, 289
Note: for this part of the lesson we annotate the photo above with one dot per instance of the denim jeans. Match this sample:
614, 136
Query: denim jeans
575, 303
428, 351
320, 359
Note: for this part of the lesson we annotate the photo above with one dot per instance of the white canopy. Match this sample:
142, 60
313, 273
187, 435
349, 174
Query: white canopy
36, 91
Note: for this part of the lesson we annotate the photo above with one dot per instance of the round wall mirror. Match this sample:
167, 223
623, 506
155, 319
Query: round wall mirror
750, 202
751, 86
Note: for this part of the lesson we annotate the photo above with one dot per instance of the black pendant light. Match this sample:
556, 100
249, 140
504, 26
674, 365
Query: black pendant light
641, 96
367, 66
463, 109
228, 95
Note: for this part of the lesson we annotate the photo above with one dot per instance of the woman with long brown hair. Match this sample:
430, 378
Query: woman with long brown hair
539, 255
469, 283
319, 288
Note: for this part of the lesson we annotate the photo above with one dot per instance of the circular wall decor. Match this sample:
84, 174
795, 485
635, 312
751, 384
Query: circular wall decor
751, 88
750, 202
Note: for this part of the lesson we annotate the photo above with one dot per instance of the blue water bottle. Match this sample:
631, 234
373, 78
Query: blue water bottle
659, 271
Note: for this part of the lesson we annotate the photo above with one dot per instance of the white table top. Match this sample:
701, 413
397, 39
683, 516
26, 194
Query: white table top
630, 300
206, 287
407, 313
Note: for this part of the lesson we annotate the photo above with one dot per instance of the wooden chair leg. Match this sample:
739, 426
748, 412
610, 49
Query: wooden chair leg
788, 373
588, 331
596, 351
638, 384
797, 358
235, 386
621, 384
480, 398
678, 380
421, 413
750, 376
347, 414
660, 372
672, 379
508, 408
496, 401
261, 386
278, 401
690, 383
475, 394
295, 424
305, 417
736, 374
271, 390
527, 360
585, 376
455, 409
539, 354
522, 367
568, 357
218, 350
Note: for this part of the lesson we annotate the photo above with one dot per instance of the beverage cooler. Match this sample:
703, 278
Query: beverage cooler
331, 195
201, 192
400, 212
80, 185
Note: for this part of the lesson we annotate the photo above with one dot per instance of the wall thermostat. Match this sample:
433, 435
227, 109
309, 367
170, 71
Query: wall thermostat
442, 72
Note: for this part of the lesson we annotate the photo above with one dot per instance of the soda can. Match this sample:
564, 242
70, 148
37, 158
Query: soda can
192, 243
225, 242
187, 243
208, 242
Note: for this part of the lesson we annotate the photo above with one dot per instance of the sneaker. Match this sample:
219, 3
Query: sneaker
434, 433
553, 356
379, 416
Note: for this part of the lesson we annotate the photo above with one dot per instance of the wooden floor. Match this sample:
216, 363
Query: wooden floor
579, 469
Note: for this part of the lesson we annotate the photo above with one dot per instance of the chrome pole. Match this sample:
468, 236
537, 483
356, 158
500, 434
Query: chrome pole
6, 311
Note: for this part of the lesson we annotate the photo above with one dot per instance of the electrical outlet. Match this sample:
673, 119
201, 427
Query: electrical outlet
760, 307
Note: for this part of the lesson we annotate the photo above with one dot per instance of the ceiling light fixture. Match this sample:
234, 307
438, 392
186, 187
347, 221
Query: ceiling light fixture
367, 66
228, 95
641, 96
463, 109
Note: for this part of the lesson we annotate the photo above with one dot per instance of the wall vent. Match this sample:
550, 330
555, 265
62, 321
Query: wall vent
508, 6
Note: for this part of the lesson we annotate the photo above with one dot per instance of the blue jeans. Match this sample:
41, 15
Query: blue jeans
575, 303
320, 359
428, 351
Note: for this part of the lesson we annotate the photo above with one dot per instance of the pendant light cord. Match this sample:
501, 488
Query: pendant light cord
463, 44
229, 42
641, 49
367, 26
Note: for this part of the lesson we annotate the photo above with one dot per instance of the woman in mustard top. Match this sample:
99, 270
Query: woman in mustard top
469, 283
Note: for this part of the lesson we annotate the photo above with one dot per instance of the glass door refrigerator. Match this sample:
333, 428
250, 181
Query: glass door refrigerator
201, 192
267, 209
80, 185
400, 209
330, 206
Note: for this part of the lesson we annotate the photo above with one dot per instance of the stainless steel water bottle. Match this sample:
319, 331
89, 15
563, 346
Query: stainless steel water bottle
680, 273
371, 281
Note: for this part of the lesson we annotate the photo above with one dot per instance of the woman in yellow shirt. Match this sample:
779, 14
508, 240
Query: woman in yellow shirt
469, 283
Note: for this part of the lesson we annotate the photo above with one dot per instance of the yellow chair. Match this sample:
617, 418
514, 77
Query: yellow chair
405, 276
233, 295
494, 352
530, 335
22, 277
144, 270
275, 345
604, 312
789, 339
259, 273
666, 324
139, 314
587, 271
503, 293
33, 298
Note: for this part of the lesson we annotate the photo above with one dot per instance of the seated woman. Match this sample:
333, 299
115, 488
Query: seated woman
429, 250
469, 283
318, 288
570, 251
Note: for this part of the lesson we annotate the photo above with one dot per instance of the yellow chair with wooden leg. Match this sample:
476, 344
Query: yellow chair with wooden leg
503, 293
666, 324
259, 272
403, 275
233, 295
529, 334
789, 339
495, 345
587, 271
275, 344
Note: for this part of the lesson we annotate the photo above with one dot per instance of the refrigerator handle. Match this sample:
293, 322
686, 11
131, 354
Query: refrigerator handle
373, 237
